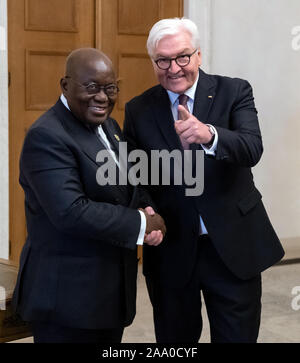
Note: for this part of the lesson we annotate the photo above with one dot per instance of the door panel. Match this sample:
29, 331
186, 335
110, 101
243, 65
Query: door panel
54, 15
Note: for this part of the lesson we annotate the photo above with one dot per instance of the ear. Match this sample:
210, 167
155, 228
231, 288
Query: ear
155, 69
153, 64
64, 85
199, 54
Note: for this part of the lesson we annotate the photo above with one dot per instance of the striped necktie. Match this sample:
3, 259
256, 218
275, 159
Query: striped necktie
183, 101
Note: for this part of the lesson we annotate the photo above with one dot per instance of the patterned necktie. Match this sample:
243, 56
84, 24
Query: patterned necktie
183, 101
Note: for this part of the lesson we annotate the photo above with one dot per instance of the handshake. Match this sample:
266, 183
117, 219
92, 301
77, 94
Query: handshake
155, 227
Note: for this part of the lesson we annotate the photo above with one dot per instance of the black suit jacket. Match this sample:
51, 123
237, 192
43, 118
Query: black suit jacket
78, 266
230, 206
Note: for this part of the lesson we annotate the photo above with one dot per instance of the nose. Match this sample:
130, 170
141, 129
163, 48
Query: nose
101, 95
174, 68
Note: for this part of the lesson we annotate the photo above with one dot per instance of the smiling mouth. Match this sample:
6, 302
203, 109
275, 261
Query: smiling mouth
176, 77
98, 109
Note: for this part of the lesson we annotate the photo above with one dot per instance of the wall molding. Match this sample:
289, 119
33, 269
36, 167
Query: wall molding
4, 188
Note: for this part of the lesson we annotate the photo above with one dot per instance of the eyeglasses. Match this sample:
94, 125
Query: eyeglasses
181, 60
94, 88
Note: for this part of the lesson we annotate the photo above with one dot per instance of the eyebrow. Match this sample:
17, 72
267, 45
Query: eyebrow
92, 82
185, 51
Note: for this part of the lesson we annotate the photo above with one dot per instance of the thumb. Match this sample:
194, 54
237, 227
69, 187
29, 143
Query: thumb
150, 211
183, 113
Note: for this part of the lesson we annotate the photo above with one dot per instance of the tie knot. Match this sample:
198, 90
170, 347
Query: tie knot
183, 100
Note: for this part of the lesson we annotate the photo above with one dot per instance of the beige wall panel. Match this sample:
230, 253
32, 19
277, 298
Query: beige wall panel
131, 79
137, 16
48, 18
44, 70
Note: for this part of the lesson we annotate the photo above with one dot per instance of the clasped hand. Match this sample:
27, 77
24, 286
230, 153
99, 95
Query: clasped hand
155, 227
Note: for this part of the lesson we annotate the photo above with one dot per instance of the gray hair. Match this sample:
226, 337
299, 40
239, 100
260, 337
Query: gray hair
171, 27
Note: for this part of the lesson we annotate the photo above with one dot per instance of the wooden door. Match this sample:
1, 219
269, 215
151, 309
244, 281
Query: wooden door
122, 30
41, 33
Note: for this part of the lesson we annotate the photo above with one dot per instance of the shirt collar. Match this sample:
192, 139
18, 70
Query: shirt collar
64, 101
190, 92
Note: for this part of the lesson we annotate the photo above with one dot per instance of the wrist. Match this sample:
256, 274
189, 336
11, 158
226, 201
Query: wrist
212, 136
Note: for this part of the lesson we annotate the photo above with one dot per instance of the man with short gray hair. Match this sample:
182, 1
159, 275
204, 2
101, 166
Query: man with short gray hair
220, 242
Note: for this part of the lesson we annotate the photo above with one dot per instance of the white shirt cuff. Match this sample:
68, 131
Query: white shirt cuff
213, 148
140, 240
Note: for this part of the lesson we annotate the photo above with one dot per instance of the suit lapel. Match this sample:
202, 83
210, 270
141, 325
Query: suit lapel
164, 119
113, 134
84, 135
204, 97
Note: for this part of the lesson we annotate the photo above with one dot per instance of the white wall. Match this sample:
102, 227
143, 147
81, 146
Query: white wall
200, 12
253, 39
4, 194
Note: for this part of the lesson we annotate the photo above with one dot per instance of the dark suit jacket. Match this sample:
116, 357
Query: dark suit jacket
231, 206
78, 266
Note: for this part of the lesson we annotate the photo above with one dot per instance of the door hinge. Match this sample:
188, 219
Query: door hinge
9, 249
9, 79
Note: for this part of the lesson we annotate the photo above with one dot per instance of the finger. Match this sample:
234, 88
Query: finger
159, 239
150, 238
183, 112
189, 134
153, 241
150, 211
154, 238
181, 126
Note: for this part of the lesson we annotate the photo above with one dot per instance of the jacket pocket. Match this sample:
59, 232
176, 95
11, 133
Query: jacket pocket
249, 201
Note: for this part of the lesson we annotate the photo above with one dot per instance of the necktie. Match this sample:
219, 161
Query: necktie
183, 101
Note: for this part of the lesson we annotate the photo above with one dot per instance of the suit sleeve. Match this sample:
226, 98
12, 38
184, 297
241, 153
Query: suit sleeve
51, 172
241, 143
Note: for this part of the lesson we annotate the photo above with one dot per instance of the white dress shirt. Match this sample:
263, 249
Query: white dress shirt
106, 143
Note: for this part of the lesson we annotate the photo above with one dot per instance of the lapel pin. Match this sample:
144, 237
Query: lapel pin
117, 137
210, 96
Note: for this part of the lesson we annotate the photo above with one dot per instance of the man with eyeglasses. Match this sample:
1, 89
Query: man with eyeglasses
78, 268
220, 242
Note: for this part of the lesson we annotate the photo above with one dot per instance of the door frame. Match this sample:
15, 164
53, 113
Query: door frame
4, 125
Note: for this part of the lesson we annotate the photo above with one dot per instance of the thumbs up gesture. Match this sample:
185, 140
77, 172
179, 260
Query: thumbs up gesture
191, 129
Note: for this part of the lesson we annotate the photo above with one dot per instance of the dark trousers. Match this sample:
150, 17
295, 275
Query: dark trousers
233, 305
52, 333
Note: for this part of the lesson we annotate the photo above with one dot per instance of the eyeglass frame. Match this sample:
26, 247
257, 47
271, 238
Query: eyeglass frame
98, 86
175, 59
